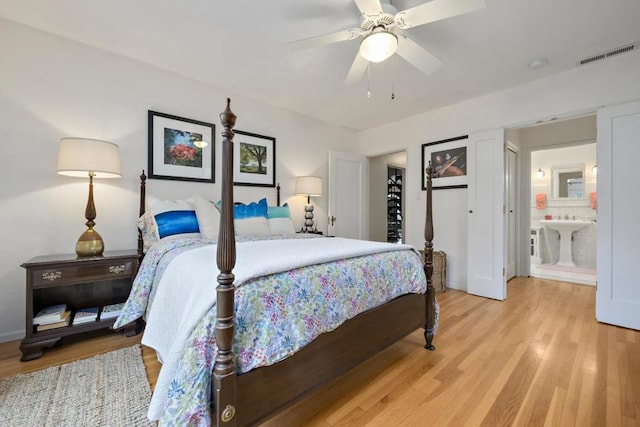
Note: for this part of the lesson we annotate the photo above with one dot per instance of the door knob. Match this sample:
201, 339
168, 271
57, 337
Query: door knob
332, 219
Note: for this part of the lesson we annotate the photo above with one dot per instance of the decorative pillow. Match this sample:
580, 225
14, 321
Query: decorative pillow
280, 220
251, 219
168, 218
208, 217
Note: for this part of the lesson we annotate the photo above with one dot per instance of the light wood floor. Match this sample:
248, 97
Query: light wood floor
538, 358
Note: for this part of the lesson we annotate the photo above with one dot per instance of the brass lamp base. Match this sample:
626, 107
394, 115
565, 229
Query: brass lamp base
89, 244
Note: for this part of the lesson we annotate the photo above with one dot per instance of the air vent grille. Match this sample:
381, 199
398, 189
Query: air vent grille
613, 52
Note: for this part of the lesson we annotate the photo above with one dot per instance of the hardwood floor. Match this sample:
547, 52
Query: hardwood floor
538, 358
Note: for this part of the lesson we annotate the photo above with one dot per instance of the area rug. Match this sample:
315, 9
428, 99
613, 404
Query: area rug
110, 389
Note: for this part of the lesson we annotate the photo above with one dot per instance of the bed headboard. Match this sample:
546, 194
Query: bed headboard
143, 197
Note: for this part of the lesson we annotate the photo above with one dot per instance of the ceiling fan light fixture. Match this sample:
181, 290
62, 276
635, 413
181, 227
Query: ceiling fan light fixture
379, 45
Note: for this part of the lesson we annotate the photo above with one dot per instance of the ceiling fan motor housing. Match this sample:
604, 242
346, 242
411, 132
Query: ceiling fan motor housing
385, 19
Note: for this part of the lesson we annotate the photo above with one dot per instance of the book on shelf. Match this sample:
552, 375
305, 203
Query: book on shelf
50, 315
85, 315
111, 311
66, 317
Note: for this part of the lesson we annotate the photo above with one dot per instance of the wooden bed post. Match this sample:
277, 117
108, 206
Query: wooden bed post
224, 371
429, 327
143, 196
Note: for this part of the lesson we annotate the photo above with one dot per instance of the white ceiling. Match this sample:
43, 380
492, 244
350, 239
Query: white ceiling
242, 45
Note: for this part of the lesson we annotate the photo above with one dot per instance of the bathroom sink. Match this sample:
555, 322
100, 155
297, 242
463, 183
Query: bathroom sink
566, 227
561, 225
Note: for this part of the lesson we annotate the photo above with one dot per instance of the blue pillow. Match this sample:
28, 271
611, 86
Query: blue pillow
176, 222
252, 210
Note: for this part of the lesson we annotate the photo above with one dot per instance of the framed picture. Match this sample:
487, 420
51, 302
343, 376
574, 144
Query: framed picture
181, 149
449, 161
254, 159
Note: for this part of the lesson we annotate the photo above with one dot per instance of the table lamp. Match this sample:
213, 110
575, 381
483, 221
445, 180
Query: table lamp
81, 157
310, 186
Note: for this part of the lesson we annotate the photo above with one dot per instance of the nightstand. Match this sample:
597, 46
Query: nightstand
79, 283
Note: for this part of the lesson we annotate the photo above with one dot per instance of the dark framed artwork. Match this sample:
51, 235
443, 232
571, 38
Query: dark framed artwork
254, 159
449, 161
181, 149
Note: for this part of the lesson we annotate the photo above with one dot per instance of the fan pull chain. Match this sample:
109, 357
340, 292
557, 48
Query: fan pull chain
393, 91
369, 80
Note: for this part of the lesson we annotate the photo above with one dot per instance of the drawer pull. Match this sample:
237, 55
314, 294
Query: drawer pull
116, 269
52, 275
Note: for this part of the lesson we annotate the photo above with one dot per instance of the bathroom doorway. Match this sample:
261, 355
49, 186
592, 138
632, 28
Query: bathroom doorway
559, 199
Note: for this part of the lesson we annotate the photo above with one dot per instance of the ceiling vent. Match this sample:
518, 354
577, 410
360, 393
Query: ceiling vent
613, 52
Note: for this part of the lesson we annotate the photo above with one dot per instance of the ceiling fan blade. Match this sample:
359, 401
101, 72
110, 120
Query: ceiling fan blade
436, 10
357, 70
325, 39
369, 7
417, 56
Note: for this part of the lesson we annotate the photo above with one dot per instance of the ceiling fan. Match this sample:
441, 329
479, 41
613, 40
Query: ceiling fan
382, 29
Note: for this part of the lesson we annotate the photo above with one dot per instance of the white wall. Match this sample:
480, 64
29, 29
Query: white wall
582, 89
51, 87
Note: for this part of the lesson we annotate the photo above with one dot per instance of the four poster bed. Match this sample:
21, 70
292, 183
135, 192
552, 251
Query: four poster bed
223, 356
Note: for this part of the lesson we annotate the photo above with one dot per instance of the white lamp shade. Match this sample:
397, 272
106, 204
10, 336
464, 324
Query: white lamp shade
80, 156
309, 186
378, 46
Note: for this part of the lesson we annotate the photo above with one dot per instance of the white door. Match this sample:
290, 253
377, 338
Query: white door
486, 225
348, 195
510, 190
618, 227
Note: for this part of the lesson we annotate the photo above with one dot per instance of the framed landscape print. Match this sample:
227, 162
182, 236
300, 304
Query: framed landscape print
180, 148
449, 161
254, 159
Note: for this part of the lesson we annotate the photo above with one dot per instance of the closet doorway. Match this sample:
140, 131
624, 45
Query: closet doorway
387, 213
395, 201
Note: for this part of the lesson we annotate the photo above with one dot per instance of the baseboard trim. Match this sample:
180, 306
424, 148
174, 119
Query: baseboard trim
11, 336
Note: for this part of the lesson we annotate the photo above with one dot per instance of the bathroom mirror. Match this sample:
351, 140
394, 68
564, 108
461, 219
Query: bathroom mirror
568, 182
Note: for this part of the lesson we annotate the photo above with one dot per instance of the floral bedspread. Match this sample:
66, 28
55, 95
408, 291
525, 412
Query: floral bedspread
276, 315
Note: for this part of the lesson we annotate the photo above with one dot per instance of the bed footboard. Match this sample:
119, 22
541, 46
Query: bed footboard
246, 399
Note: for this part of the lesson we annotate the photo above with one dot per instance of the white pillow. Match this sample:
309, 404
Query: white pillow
280, 220
255, 226
208, 217
281, 226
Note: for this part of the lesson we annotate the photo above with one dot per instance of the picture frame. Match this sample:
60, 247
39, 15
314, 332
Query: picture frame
181, 149
254, 160
449, 159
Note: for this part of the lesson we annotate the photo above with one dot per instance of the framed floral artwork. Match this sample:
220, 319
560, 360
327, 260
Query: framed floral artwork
254, 159
449, 161
181, 149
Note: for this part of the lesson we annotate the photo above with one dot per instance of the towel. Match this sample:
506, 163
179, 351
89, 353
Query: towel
593, 198
541, 201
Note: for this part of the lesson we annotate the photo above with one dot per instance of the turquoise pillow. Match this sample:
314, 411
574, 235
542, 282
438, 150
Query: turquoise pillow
278, 212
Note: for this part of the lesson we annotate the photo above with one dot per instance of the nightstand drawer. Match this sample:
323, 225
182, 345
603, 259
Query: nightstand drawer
109, 269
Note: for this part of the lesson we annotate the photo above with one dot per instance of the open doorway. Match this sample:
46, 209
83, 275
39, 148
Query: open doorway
387, 214
558, 183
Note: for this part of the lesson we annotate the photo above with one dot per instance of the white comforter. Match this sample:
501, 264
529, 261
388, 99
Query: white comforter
187, 289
